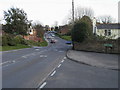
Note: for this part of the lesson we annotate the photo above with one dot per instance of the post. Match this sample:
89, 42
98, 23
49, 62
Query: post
73, 10
73, 20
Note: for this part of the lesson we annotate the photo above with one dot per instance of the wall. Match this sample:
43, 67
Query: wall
115, 33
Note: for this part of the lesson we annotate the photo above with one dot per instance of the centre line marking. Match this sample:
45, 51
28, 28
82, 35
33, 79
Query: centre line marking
53, 73
59, 65
64, 57
13, 61
43, 85
62, 61
24, 56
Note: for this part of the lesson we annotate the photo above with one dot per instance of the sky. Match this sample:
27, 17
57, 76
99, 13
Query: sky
48, 12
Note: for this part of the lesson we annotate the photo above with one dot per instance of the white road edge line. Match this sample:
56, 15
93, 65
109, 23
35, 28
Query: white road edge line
43, 85
59, 65
53, 73
4, 62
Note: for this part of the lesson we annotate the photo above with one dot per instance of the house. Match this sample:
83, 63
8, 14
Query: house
32, 35
111, 31
64, 29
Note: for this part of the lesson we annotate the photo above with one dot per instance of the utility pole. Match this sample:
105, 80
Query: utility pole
73, 21
73, 10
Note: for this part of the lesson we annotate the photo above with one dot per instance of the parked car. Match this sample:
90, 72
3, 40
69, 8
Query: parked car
68, 42
52, 41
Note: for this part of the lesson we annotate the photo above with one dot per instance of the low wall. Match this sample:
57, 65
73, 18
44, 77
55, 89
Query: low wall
98, 46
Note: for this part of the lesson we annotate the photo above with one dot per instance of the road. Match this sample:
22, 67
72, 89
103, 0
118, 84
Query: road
48, 67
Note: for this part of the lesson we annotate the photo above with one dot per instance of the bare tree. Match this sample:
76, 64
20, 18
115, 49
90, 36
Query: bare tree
81, 11
106, 19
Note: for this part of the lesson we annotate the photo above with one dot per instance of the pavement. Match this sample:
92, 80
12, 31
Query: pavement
108, 61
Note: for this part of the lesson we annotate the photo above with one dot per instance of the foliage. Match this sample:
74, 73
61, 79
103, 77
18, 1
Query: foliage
18, 46
89, 31
40, 31
56, 28
10, 40
16, 21
79, 31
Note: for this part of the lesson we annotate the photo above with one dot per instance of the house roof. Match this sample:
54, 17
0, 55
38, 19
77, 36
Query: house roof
108, 26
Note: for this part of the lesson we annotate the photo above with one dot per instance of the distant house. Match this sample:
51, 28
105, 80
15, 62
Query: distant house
111, 31
32, 35
64, 29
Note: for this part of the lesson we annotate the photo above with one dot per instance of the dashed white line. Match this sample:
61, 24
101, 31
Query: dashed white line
13, 61
43, 85
4, 62
62, 61
43, 55
64, 57
24, 56
59, 65
53, 73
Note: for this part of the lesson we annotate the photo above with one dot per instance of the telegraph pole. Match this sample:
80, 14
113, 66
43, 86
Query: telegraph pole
73, 10
73, 21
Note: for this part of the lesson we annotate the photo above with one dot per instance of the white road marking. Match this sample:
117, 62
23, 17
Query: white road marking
59, 65
61, 51
53, 73
4, 62
24, 56
64, 57
62, 61
13, 61
41, 55
45, 56
37, 49
43, 85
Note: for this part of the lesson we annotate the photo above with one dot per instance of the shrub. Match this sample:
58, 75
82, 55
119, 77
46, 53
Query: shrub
79, 31
4, 41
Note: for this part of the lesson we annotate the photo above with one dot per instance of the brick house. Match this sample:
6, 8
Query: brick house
32, 35
64, 29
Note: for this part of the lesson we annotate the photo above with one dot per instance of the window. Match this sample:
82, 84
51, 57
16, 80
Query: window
107, 32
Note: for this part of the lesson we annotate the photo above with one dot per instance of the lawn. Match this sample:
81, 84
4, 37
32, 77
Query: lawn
68, 38
65, 37
19, 46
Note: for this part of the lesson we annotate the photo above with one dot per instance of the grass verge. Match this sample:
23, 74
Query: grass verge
19, 46
65, 37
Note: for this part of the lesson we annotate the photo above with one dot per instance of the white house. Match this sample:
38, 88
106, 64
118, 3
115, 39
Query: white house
111, 31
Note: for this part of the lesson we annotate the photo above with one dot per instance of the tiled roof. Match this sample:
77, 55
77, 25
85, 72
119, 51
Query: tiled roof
108, 26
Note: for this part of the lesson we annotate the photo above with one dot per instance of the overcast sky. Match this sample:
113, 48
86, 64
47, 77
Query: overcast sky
50, 11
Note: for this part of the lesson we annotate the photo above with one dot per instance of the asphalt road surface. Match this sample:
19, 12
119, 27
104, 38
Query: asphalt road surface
48, 67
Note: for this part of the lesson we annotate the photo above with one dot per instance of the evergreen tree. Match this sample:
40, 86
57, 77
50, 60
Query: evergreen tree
16, 21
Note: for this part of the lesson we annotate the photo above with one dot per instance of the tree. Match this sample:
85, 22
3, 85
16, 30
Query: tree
40, 30
79, 32
16, 21
106, 19
82, 30
80, 12
88, 21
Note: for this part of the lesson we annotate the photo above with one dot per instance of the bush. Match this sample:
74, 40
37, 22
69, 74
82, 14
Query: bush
11, 40
20, 40
79, 32
4, 41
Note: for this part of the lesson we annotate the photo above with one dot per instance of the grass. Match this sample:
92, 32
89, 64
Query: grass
65, 37
68, 38
19, 46
42, 44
